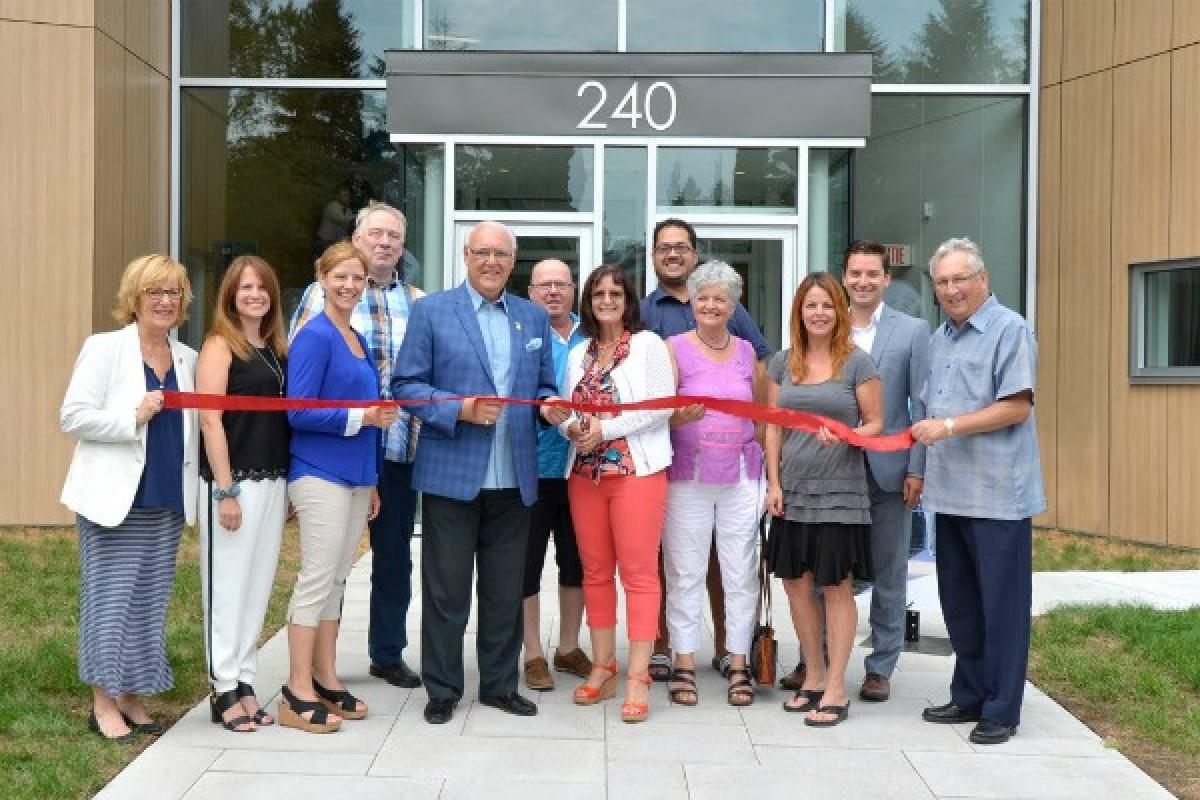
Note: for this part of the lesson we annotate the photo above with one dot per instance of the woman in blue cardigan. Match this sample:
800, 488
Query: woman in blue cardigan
331, 483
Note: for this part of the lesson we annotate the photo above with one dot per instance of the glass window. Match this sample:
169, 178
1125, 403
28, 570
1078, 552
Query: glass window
625, 211
937, 167
706, 180
572, 25
1164, 322
722, 26
828, 209
938, 41
532, 249
281, 173
522, 178
293, 39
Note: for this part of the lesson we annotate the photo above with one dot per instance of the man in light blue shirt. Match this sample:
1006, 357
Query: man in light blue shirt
983, 478
552, 287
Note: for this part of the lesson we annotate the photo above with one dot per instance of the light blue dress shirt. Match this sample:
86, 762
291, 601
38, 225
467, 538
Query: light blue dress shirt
497, 340
552, 447
993, 475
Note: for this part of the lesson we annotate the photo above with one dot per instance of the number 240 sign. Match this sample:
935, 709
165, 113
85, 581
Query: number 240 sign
656, 107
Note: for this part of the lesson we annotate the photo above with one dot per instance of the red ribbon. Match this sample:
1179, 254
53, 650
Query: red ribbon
772, 415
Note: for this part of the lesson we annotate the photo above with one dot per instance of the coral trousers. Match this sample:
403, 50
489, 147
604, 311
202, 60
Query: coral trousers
618, 526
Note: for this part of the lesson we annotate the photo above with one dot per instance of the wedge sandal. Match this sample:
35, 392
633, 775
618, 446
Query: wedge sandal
340, 702
291, 709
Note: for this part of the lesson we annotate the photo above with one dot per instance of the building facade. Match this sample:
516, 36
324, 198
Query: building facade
211, 128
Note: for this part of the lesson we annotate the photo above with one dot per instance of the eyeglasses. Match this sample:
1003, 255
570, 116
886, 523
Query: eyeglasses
487, 253
163, 294
558, 286
384, 233
957, 281
683, 248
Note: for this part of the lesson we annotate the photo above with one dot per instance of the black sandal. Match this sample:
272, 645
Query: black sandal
218, 704
659, 668
260, 716
811, 698
686, 676
292, 709
839, 715
741, 687
340, 702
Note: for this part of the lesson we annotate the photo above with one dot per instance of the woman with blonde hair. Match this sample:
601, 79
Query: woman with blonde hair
244, 464
817, 488
132, 484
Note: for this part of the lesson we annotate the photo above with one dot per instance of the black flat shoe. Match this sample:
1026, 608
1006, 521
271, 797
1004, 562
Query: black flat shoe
811, 698
260, 716
397, 674
150, 728
439, 710
840, 713
988, 732
218, 704
94, 727
949, 714
510, 704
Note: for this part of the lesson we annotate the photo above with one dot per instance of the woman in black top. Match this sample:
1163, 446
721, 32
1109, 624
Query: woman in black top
243, 502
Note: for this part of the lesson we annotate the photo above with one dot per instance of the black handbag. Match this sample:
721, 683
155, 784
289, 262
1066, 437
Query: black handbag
762, 647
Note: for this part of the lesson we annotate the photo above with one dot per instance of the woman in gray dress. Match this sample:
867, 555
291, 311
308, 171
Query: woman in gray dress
817, 489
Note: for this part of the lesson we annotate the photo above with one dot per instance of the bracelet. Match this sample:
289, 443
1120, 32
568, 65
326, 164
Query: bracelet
949, 423
226, 494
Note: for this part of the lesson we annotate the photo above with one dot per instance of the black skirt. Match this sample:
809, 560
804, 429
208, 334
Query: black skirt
831, 551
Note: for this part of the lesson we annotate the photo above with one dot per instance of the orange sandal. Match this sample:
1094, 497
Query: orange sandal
636, 712
588, 695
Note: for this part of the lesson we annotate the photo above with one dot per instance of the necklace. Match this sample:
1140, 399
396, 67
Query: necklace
276, 368
710, 346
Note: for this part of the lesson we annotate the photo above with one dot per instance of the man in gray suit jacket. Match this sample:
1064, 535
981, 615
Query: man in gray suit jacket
899, 346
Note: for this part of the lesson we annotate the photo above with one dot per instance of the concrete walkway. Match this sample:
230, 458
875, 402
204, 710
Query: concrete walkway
711, 751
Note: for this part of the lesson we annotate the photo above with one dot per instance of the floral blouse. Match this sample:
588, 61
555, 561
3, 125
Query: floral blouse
596, 386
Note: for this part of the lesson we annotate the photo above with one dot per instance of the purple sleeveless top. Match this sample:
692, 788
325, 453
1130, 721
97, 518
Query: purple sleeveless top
712, 448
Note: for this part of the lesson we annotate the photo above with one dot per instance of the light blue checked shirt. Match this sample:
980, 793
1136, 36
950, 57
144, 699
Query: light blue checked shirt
497, 339
993, 475
381, 316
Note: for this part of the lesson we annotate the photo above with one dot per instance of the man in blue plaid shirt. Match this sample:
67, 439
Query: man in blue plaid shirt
381, 316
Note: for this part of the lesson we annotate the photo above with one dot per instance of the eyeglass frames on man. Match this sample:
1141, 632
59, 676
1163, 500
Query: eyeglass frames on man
665, 249
487, 253
558, 286
957, 281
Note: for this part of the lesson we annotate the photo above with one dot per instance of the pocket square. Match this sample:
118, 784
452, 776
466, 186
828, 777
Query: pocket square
533, 344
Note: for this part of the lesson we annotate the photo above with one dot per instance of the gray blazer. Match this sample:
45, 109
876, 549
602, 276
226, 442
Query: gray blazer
901, 355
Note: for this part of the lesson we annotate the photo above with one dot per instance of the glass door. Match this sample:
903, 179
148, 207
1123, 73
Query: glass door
765, 257
536, 241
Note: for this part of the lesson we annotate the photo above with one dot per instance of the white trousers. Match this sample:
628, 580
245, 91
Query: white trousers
696, 512
237, 570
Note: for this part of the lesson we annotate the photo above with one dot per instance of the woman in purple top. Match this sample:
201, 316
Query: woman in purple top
715, 484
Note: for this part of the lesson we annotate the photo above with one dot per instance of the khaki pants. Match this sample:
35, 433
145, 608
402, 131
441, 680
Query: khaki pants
332, 519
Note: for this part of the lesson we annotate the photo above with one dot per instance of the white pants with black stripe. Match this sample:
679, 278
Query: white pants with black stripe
696, 513
237, 570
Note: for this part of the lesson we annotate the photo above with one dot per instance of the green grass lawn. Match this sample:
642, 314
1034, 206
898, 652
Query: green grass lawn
1133, 674
1057, 551
46, 750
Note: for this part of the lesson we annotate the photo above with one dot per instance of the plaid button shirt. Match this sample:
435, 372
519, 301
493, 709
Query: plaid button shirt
381, 316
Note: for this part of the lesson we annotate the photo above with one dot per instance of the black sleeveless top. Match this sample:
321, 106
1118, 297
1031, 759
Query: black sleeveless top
258, 440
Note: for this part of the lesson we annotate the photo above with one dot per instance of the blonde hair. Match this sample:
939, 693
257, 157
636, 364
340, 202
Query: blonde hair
840, 343
226, 322
146, 272
338, 252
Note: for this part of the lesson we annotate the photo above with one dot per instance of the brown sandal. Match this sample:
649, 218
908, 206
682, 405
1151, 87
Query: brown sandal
741, 687
685, 695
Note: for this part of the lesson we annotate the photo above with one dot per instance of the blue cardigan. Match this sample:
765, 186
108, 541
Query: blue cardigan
320, 365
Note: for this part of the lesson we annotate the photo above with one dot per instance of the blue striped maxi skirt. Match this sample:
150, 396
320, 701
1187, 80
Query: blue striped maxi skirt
126, 575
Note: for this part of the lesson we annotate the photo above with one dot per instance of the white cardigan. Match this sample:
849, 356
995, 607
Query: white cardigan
646, 373
106, 386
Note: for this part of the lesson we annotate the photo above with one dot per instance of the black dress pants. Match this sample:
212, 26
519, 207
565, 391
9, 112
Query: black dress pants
490, 530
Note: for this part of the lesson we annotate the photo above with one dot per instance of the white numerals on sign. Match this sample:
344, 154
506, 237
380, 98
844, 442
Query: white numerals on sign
627, 108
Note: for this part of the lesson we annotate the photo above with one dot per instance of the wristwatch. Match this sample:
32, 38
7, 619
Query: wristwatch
948, 422
221, 494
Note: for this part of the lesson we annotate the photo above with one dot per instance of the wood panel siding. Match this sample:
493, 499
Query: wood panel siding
1050, 196
56, 12
1141, 28
1087, 36
1052, 42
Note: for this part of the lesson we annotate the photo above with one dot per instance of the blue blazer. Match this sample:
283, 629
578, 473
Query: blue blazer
443, 355
320, 365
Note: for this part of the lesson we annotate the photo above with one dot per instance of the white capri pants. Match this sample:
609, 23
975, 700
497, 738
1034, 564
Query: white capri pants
237, 571
332, 520
695, 513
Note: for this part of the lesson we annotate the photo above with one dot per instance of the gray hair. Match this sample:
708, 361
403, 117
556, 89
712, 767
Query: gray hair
715, 273
959, 245
500, 226
370, 208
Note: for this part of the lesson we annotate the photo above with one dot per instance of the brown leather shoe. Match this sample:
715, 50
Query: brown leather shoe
537, 675
575, 662
795, 680
875, 688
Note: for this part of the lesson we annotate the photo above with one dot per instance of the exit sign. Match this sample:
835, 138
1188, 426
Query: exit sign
899, 255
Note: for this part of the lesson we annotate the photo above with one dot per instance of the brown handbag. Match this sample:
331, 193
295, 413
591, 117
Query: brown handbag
762, 646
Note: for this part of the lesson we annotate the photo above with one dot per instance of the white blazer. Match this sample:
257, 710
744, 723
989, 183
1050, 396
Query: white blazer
99, 408
645, 374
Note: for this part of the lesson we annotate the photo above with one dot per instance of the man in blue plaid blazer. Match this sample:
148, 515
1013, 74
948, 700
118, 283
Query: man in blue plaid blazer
476, 466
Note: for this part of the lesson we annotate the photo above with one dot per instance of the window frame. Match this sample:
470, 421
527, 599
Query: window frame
1139, 373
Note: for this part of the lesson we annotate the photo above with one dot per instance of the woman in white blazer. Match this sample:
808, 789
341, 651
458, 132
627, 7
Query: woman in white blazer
132, 484
617, 481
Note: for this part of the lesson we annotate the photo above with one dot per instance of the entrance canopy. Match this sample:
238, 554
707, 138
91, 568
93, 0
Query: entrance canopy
662, 95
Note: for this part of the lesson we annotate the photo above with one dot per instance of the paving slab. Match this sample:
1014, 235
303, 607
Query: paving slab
243, 786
